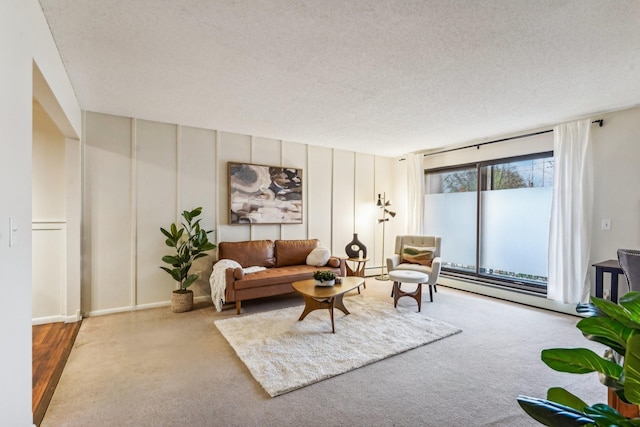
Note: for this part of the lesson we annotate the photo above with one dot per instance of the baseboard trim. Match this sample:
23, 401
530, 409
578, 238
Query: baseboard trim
75, 318
48, 319
202, 298
140, 307
538, 301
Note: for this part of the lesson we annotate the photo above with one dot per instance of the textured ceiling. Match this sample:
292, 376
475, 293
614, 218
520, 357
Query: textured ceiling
385, 77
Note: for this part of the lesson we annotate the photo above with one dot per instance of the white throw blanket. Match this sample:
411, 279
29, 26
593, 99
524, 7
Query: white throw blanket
218, 281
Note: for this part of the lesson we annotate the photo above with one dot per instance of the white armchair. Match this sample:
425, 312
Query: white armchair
396, 261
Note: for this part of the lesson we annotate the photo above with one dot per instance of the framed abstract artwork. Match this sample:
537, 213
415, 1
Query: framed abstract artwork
260, 194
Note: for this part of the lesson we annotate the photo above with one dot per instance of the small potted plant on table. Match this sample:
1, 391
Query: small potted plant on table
190, 242
324, 278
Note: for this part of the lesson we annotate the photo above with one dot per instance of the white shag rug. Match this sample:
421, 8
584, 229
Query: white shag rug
284, 354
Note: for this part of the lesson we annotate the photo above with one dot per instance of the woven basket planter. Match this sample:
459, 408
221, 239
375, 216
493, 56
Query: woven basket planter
181, 301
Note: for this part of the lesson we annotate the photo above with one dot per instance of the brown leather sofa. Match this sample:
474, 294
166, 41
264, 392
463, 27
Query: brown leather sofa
285, 262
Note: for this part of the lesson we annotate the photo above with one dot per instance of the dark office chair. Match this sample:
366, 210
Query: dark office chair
629, 260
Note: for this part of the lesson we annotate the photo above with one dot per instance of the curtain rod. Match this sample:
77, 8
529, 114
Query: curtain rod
489, 142
599, 121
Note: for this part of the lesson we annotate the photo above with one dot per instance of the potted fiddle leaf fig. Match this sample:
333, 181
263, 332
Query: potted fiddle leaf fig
617, 327
189, 242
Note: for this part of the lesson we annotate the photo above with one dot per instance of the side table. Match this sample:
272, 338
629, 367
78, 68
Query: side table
612, 267
358, 268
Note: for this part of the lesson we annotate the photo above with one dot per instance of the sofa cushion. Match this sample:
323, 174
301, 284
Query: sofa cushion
418, 255
248, 253
276, 276
318, 256
293, 252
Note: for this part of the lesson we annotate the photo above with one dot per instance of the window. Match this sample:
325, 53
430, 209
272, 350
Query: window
494, 219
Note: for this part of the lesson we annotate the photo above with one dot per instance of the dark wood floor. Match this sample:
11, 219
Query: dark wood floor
51, 347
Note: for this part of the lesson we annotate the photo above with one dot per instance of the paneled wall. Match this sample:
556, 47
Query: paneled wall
109, 238
139, 175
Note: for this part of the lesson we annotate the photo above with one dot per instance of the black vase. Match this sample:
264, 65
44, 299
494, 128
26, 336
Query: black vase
354, 247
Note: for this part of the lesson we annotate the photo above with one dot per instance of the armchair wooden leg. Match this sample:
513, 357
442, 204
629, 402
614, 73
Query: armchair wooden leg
238, 303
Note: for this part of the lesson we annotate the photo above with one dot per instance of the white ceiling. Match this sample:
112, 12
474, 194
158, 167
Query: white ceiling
385, 77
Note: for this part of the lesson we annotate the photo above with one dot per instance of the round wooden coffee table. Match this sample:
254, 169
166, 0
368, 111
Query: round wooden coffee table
317, 297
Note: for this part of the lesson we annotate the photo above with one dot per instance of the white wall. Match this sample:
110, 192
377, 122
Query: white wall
49, 272
391, 180
616, 153
24, 39
15, 189
57, 207
73, 168
364, 213
140, 175
49, 175
49, 211
108, 272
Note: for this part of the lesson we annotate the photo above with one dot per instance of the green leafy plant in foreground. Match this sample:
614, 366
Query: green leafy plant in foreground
190, 242
616, 326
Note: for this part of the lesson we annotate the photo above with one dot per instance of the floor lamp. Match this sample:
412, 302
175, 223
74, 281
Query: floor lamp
383, 204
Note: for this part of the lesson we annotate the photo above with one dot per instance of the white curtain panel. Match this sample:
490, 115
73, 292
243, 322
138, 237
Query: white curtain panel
415, 189
570, 227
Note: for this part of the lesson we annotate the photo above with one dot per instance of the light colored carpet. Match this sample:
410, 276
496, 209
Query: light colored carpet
284, 354
156, 368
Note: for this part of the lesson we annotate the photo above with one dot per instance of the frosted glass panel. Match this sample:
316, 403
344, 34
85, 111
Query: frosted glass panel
450, 212
452, 216
515, 230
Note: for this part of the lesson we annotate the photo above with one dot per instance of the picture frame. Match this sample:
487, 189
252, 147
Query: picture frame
263, 194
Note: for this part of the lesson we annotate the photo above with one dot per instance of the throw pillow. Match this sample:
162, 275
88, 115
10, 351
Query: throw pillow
318, 257
418, 255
